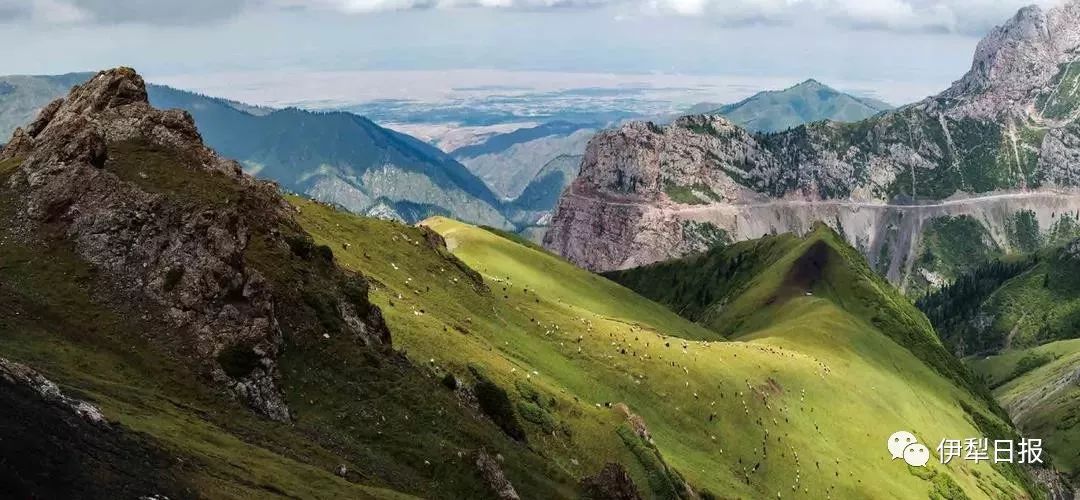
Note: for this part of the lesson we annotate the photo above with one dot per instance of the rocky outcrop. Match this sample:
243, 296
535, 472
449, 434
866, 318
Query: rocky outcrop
16, 374
1055, 484
635, 421
171, 224
493, 476
611, 483
1006, 131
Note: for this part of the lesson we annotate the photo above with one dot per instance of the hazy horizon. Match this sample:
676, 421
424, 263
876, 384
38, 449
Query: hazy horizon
278, 52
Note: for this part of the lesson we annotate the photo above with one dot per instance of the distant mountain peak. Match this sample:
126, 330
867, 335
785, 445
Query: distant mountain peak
811, 83
804, 102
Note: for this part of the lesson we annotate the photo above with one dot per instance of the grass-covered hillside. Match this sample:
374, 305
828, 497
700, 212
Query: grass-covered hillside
739, 288
211, 339
228, 354
1040, 386
392, 426
1016, 302
1017, 321
798, 402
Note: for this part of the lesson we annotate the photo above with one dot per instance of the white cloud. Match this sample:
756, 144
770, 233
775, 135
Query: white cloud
41, 11
950, 16
367, 6
58, 12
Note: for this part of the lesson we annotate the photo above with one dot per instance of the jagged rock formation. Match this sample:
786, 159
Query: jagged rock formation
181, 230
1004, 137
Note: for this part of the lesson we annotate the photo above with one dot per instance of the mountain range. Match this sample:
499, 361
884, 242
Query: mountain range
998, 150
509, 162
174, 327
336, 157
348, 160
513, 164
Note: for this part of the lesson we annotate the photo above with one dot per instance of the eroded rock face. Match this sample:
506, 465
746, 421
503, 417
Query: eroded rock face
103, 165
1008, 127
1016, 59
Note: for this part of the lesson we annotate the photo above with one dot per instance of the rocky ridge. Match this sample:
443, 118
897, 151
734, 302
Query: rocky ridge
17, 374
90, 171
648, 193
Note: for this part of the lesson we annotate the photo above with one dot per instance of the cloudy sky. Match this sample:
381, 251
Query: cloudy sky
903, 48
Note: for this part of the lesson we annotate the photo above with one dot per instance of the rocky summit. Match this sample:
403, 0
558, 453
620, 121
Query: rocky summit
999, 150
187, 237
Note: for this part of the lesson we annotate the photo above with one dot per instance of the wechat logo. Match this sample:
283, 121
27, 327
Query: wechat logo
903, 444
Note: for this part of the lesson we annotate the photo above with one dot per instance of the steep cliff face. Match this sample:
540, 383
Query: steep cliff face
1016, 61
1002, 140
179, 232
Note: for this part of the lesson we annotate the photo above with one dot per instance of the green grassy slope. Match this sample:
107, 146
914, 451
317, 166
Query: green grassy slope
398, 431
1019, 321
800, 405
1014, 303
738, 289
1040, 387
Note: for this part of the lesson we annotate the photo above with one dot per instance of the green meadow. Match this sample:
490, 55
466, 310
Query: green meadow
788, 389
1040, 386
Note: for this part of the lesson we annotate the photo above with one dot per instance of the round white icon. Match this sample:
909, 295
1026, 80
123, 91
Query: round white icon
903, 444
916, 455
898, 441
